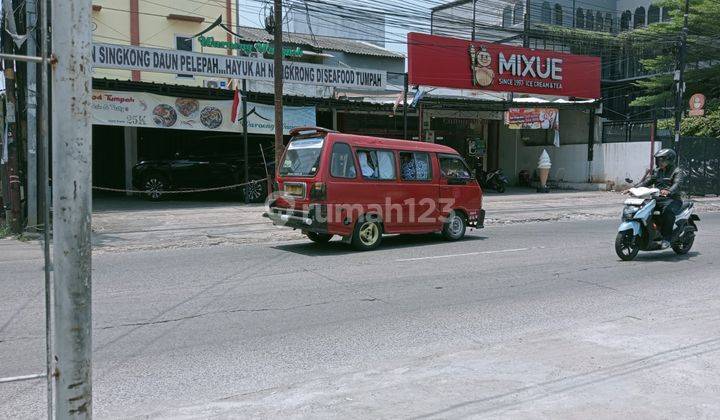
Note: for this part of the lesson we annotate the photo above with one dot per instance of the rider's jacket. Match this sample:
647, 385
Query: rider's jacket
670, 179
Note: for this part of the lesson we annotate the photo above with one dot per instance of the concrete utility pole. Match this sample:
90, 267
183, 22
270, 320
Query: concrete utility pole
474, 21
526, 25
246, 166
405, 107
14, 216
44, 199
31, 86
72, 185
680, 78
278, 76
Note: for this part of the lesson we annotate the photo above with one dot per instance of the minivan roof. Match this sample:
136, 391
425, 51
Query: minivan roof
369, 141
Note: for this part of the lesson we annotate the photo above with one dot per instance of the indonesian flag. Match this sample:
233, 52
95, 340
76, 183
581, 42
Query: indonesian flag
237, 99
399, 99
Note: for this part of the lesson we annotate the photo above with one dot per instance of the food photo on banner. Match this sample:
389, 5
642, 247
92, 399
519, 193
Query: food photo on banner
142, 109
534, 119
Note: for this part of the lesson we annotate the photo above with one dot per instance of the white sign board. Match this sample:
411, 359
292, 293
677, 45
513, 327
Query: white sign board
128, 57
261, 118
142, 109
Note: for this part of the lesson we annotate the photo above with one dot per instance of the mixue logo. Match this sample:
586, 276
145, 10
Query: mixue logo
522, 65
480, 62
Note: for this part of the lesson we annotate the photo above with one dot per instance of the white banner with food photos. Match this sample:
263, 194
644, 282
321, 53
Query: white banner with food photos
142, 109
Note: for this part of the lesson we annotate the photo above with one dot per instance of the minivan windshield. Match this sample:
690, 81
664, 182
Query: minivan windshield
302, 157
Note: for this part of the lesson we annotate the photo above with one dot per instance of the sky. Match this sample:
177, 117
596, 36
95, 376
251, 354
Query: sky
251, 15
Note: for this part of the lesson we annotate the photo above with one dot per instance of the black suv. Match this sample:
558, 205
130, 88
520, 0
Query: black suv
207, 163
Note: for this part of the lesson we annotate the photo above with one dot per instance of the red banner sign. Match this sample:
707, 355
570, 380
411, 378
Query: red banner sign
456, 63
532, 118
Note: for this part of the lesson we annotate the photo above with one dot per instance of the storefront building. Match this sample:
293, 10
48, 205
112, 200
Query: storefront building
165, 74
504, 104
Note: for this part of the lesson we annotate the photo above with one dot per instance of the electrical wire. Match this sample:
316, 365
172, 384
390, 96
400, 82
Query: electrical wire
393, 39
374, 29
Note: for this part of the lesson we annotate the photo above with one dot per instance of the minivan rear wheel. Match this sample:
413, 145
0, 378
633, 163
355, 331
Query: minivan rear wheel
367, 234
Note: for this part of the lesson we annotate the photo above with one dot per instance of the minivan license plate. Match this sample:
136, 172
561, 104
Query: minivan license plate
294, 189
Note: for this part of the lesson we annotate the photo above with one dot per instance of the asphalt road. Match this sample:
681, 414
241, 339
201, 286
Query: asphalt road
527, 320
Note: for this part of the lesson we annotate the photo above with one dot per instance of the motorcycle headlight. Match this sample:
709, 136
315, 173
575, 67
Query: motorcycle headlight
629, 212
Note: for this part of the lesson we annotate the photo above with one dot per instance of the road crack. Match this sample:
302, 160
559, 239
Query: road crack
227, 311
602, 286
370, 298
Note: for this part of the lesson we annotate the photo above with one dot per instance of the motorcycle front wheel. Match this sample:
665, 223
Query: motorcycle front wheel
625, 245
500, 188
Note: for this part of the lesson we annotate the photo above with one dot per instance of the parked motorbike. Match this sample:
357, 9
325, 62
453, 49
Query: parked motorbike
640, 228
493, 179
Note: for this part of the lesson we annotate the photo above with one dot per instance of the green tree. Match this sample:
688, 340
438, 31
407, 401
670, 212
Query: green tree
702, 73
705, 126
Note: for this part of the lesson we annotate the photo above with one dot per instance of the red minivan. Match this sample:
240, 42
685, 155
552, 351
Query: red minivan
361, 187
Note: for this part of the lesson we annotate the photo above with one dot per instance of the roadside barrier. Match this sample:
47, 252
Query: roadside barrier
225, 187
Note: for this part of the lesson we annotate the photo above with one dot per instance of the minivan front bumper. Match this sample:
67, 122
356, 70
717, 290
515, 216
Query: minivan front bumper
312, 220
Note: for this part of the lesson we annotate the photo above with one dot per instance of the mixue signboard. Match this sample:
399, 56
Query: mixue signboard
456, 63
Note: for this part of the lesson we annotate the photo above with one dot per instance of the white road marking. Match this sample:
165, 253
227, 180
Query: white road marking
21, 261
434, 257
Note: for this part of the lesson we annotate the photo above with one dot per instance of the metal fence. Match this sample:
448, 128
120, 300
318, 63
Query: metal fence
627, 131
700, 159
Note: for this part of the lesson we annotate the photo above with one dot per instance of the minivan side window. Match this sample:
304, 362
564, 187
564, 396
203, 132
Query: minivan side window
415, 166
377, 164
453, 167
342, 164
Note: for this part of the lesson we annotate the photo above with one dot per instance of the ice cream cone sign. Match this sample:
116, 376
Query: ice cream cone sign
543, 170
697, 102
544, 160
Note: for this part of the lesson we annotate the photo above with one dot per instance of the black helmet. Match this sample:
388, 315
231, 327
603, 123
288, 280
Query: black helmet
667, 155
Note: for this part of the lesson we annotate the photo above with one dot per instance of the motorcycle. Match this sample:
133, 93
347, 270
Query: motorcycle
493, 179
640, 228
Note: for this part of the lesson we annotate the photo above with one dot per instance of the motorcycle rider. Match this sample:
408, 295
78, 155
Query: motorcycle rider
668, 178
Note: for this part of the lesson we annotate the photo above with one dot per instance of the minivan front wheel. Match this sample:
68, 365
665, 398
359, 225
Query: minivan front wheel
367, 234
455, 226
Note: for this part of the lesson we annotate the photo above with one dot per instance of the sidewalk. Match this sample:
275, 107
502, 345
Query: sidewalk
121, 224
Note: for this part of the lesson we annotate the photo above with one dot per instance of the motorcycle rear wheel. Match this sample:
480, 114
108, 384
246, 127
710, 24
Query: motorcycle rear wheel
684, 247
625, 245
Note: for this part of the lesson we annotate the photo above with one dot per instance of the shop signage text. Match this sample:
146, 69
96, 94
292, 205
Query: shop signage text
457, 63
128, 57
259, 47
